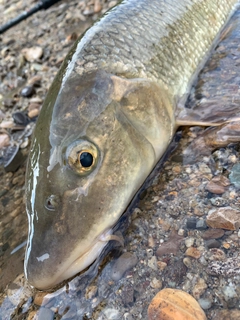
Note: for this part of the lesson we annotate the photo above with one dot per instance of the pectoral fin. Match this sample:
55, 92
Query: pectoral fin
211, 139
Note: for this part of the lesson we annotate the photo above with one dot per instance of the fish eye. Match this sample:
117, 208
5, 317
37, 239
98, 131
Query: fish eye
86, 159
81, 156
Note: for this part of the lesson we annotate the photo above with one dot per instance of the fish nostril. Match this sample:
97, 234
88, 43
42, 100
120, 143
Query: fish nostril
52, 202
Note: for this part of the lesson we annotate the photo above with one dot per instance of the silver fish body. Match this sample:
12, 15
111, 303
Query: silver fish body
106, 121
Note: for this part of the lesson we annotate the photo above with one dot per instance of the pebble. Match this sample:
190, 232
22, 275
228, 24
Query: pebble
45, 314
124, 263
201, 224
224, 218
229, 292
199, 288
33, 113
215, 254
189, 242
6, 124
4, 140
152, 263
19, 290
27, 91
188, 262
156, 283
234, 176
205, 303
20, 118
32, 315
213, 243
193, 252
213, 234
112, 314
174, 304
215, 188
33, 53
226, 314
38, 299
171, 246
191, 223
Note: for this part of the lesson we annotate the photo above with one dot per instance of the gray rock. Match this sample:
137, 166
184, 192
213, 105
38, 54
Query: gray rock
124, 263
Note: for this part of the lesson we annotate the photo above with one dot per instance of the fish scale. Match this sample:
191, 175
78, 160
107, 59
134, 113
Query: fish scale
162, 25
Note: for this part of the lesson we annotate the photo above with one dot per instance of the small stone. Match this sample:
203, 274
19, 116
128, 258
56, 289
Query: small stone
32, 315
20, 118
224, 218
234, 176
221, 180
199, 288
191, 223
193, 252
27, 91
156, 283
174, 304
97, 6
127, 295
215, 254
152, 263
213, 234
205, 303
45, 314
124, 263
229, 292
215, 188
188, 262
226, 314
161, 265
201, 224
19, 290
32, 54
4, 140
33, 113
38, 299
226, 245
112, 314
189, 242
171, 246
213, 243
218, 202
151, 242
6, 124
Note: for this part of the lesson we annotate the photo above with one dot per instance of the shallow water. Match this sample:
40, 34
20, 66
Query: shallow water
176, 195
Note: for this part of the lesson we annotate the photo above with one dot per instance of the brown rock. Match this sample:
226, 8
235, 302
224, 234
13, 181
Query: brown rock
38, 299
193, 252
213, 234
172, 304
171, 246
224, 218
33, 113
221, 181
226, 314
199, 288
215, 188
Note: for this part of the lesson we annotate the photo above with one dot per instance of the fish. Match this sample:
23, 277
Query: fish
108, 118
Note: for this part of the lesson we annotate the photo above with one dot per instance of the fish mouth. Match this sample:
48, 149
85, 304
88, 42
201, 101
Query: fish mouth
73, 266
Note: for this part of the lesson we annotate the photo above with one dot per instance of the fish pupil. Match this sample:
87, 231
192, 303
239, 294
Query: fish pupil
86, 159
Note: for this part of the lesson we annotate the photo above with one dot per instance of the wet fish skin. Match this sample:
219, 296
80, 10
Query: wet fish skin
115, 96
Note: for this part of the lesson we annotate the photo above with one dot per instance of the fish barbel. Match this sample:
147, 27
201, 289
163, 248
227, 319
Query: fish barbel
107, 119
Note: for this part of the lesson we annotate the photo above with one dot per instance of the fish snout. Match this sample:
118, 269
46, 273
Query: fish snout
52, 202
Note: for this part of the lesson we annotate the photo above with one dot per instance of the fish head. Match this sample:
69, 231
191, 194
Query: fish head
90, 154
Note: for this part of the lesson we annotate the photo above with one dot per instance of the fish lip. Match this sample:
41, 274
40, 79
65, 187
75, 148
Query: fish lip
77, 265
